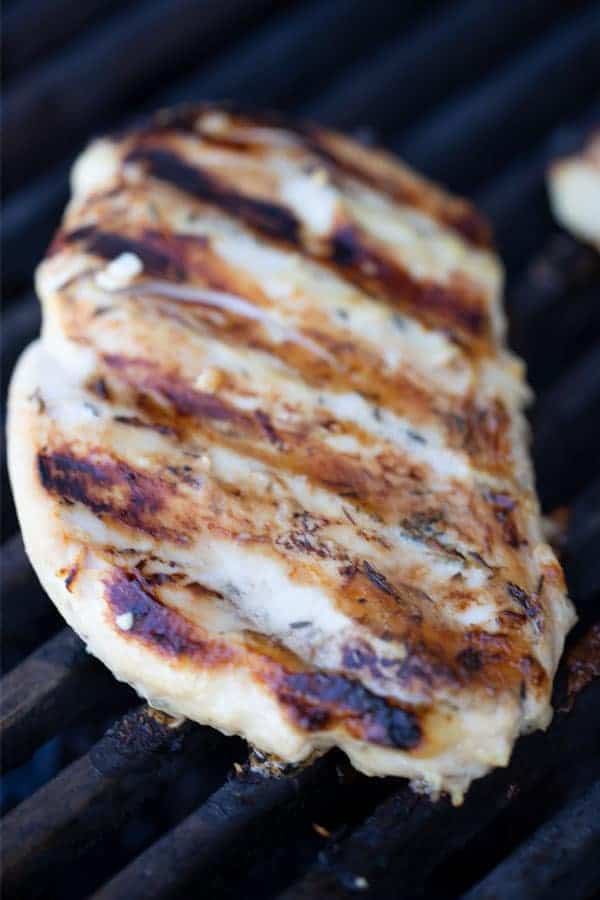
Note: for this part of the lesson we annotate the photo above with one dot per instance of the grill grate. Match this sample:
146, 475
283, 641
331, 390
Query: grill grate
480, 95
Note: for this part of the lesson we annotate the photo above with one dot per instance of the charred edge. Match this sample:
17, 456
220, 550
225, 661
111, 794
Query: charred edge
269, 218
366, 266
107, 488
473, 227
317, 700
459, 216
157, 258
158, 626
185, 116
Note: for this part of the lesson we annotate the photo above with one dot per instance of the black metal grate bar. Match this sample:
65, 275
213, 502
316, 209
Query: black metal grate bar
16, 575
560, 860
409, 75
464, 142
406, 838
20, 324
196, 844
583, 559
33, 29
46, 692
258, 71
107, 70
29, 217
515, 198
566, 446
554, 319
26, 613
137, 756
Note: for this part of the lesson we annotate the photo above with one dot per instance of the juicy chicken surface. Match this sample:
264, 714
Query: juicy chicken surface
269, 453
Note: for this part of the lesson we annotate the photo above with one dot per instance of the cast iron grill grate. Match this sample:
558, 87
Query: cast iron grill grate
103, 797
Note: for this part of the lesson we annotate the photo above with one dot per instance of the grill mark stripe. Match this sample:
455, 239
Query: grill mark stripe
158, 626
463, 426
434, 304
270, 219
435, 656
457, 215
91, 483
395, 388
146, 376
109, 487
192, 251
370, 583
404, 186
370, 486
158, 258
314, 701
333, 473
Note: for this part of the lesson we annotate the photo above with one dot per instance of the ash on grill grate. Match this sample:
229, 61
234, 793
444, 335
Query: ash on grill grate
482, 95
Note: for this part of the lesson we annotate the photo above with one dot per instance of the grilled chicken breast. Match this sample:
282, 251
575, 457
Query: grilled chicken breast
574, 188
269, 453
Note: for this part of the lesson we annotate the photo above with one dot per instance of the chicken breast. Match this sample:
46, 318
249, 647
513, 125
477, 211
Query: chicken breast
574, 188
269, 453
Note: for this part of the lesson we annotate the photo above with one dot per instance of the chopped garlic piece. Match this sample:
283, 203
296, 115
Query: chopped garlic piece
125, 621
120, 272
209, 380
